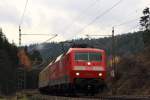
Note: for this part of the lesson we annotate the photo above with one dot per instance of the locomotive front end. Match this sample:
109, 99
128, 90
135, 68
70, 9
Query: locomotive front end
89, 69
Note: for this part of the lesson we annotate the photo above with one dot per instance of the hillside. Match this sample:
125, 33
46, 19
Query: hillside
126, 44
133, 72
133, 77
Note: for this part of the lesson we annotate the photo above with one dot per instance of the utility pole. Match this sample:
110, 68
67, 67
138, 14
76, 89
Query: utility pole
113, 53
20, 76
21, 72
19, 36
113, 70
113, 59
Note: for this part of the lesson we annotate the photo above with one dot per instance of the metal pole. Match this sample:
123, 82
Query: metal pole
113, 63
113, 52
19, 36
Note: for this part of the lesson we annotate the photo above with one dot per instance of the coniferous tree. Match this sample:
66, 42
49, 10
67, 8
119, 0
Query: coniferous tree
8, 65
145, 24
145, 19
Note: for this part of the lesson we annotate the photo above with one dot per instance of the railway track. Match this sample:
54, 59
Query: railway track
124, 97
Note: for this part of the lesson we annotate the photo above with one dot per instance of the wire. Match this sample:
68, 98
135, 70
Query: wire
135, 27
50, 38
74, 20
101, 15
36, 34
22, 17
127, 22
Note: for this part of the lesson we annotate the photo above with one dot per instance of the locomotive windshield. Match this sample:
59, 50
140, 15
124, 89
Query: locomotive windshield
88, 56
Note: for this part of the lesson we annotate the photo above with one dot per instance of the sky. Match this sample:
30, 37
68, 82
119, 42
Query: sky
69, 19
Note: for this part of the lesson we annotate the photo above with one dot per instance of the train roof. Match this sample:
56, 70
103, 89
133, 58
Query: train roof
85, 49
46, 67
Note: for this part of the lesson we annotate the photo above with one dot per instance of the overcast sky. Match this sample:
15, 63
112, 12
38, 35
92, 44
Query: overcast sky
70, 19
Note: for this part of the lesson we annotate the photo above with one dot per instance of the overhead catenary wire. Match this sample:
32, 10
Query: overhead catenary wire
127, 22
131, 21
123, 23
129, 14
99, 16
22, 16
55, 35
36, 34
52, 36
21, 21
77, 17
134, 27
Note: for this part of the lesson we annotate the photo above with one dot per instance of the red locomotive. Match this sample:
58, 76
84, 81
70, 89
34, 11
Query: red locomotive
79, 70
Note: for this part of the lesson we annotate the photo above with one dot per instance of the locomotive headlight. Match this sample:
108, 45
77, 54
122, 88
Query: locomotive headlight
100, 74
89, 63
77, 74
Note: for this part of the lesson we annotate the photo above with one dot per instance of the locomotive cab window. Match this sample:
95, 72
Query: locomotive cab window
88, 56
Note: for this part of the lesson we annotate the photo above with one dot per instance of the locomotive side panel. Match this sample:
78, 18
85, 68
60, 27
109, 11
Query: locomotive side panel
59, 72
